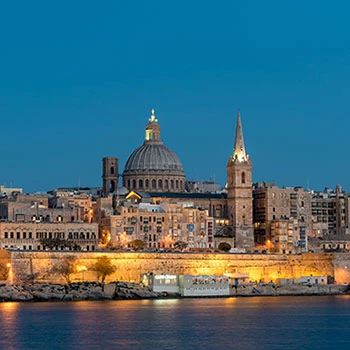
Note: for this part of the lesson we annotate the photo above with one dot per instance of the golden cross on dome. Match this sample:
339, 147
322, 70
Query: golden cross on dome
153, 117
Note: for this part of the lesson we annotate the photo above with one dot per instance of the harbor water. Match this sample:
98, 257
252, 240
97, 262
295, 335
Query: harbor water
311, 322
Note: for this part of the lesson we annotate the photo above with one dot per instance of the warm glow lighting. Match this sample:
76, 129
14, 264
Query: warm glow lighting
124, 238
8, 265
81, 268
163, 277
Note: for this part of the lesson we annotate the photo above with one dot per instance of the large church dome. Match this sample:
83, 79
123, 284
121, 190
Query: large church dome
153, 157
153, 167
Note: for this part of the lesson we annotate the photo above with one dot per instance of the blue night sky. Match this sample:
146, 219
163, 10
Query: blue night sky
78, 80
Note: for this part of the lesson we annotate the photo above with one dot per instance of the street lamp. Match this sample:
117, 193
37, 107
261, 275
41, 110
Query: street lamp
82, 269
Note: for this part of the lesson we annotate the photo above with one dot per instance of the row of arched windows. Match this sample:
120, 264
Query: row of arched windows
155, 184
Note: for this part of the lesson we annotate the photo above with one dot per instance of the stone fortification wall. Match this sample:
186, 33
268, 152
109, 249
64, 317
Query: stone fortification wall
342, 268
260, 267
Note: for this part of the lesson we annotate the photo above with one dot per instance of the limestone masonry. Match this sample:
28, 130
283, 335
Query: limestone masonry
129, 266
150, 219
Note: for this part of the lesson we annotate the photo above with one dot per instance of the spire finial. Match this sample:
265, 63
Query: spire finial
153, 117
239, 148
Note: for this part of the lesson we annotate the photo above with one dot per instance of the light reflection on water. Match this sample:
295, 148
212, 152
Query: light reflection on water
9, 319
243, 323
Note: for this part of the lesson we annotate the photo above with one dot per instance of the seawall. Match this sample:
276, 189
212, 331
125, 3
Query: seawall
129, 265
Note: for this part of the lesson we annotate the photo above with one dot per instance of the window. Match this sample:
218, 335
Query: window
160, 184
140, 183
154, 183
243, 178
133, 183
24, 234
6, 235
112, 170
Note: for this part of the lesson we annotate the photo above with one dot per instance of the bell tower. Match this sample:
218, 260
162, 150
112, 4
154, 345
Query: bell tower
240, 192
109, 175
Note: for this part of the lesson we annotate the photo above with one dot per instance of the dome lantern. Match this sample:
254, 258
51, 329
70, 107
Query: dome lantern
153, 129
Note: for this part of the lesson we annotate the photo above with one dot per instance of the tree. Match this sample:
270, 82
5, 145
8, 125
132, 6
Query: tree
180, 245
58, 243
66, 267
104, 267
137, 244
4, 271
224, 246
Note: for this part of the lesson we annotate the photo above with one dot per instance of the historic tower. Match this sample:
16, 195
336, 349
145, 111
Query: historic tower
240, 192
109, 175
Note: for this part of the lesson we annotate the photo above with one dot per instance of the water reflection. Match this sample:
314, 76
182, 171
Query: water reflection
274, 323
8, 323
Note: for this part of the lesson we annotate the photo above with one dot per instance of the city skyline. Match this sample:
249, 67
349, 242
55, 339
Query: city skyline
79, 85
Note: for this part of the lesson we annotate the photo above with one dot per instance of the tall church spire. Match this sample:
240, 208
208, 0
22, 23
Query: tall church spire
240, 192
239, 149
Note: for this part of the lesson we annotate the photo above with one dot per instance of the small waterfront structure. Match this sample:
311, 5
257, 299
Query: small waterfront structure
303, 280
204, 286
163, 283
188, 285
238, 279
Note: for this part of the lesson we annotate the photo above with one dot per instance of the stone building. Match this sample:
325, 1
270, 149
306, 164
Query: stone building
110, 175
288, 236
329, 243
273, 203
61, 207
330, 212
28, 208
153, 174
9, 191
28, 235
153, 167
79, 203
161, 225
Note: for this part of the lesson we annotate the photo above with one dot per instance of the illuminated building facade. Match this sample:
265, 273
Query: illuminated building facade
28, 235
154, 174
160, 226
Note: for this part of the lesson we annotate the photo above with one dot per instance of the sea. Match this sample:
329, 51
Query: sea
308, 322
